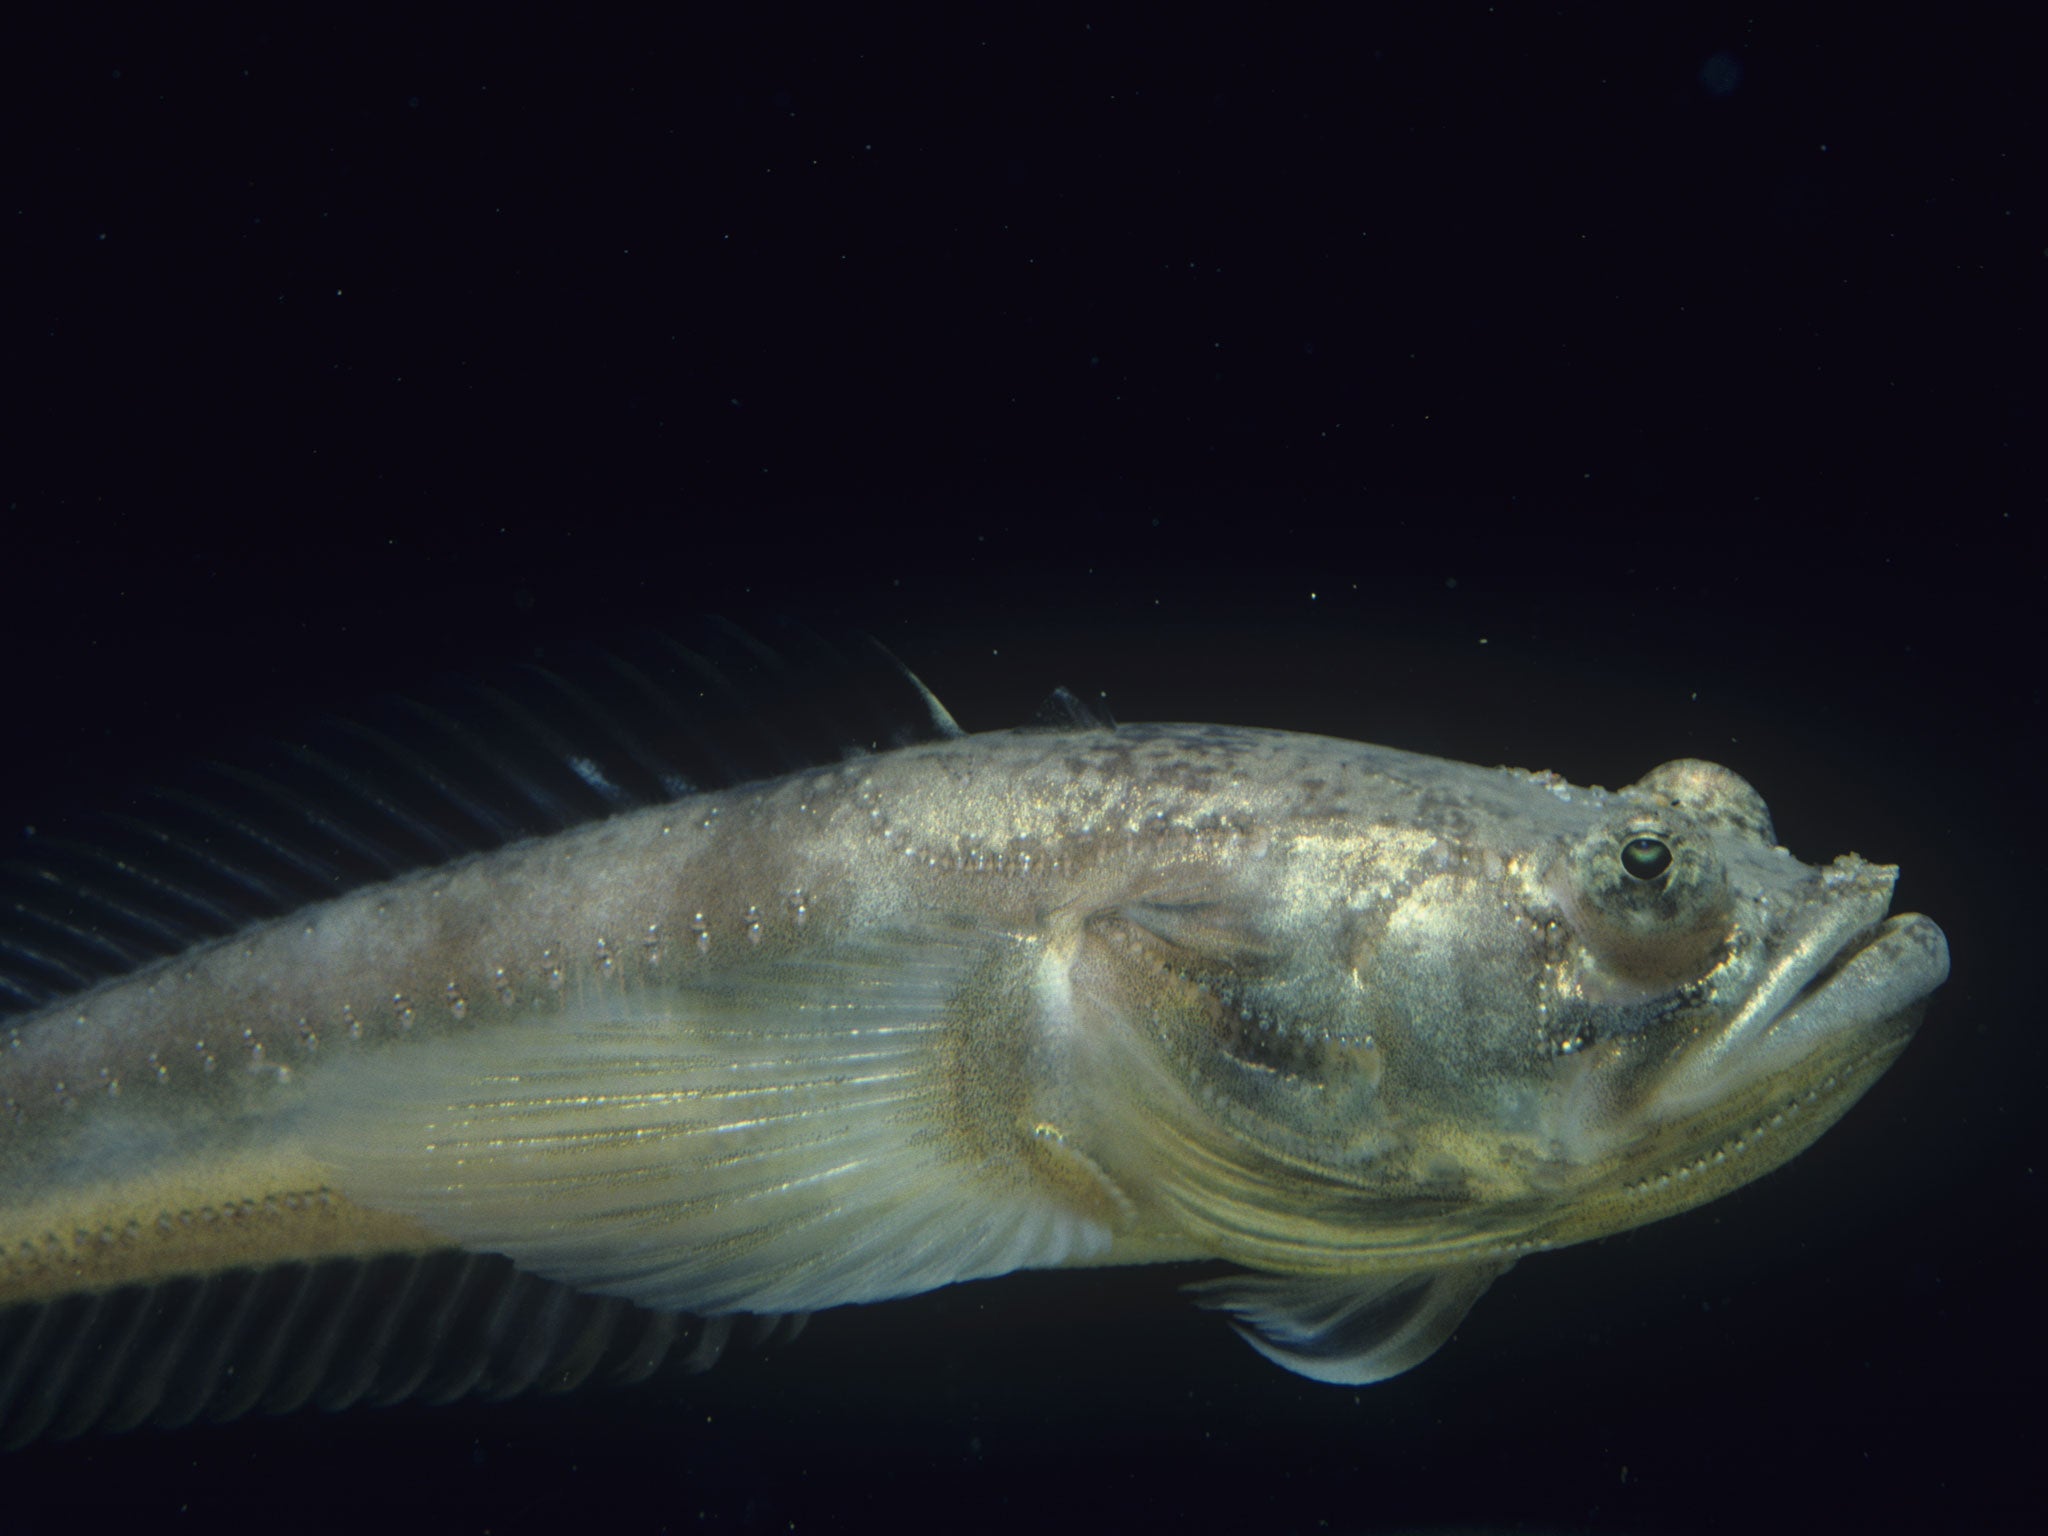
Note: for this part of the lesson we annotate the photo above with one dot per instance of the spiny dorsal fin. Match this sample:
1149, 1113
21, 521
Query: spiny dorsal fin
465, 767
1065, 710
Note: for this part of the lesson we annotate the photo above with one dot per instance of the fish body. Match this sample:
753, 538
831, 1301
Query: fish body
1366, 1025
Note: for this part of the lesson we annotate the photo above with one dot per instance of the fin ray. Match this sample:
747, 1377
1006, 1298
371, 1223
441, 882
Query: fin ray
381, 1330
467, 768
776, 1144
1349, 1330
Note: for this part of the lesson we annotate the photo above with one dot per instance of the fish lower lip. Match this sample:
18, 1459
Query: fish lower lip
1868, 991
1850, 948
1883, 973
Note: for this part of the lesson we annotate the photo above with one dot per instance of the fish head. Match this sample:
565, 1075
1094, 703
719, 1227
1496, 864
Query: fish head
1715, 1004
1537, 1014
1622, 1005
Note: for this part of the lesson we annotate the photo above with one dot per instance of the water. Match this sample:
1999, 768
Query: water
1784, 1349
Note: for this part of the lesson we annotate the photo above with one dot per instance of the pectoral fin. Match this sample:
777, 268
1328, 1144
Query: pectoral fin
781, 1142
1347, 1329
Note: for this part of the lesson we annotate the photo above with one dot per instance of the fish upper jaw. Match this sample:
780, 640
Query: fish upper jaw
1849, 986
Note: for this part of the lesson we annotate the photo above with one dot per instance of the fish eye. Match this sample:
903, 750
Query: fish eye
1645, 857
1649, 897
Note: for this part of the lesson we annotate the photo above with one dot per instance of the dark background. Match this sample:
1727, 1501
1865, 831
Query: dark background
1578, 387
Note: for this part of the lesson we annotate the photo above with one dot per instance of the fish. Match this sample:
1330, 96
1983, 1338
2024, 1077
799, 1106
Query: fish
669, 1039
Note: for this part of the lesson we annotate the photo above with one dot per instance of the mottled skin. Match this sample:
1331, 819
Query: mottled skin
1300, 1003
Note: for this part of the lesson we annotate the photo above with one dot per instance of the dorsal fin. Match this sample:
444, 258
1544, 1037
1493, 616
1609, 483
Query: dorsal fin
463, 767
429, 1327
1065, 710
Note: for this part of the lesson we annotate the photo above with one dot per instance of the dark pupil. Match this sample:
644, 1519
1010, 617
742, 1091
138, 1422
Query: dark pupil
1645, 857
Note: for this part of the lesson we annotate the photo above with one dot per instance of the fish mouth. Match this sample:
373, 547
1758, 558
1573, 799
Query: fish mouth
1822, 1023
1849, 992
1877, 977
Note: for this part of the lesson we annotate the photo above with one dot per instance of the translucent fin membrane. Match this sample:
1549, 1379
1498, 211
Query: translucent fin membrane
779, 1143
465, 767
429, 1328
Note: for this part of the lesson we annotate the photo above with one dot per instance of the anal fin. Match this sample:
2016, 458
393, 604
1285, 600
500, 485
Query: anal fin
422, 1327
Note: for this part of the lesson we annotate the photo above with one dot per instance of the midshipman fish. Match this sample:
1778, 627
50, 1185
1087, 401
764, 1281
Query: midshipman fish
1366, 1026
